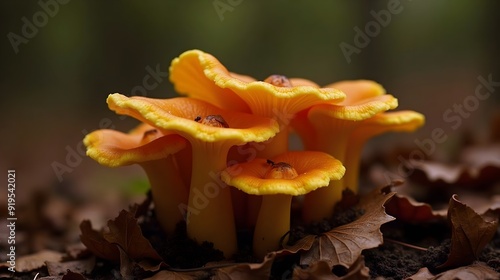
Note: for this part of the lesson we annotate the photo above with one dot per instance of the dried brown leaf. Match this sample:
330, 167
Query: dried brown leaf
78, 266
479, 166
322, 271
343, 245
406, 209
476, 271
37, 260
96, 243
303, 244
126, 265
126, 233
422, 274
469, 235
247, 270
174, 275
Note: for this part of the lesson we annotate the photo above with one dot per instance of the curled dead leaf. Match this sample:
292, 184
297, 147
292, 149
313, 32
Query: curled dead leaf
476, 271
246, 270
343, 245
406, 209
469, 234
125, 232
95, 242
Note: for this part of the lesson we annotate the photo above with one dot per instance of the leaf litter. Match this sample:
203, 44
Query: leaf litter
384, 233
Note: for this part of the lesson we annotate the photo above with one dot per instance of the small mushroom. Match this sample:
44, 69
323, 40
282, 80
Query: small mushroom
384, 122
210, 214
153, 151
326, 127
277, 180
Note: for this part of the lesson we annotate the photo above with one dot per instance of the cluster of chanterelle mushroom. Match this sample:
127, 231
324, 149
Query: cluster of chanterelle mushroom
218, 158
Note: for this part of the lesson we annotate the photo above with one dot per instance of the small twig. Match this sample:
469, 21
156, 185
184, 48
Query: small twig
406, 244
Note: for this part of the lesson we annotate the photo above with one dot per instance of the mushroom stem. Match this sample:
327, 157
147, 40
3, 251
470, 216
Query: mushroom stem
168, 189
210, 211
319, 204
352, 162
276, 145
273, 222
272, 147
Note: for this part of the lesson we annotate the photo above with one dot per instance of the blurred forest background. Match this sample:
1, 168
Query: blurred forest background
54, 84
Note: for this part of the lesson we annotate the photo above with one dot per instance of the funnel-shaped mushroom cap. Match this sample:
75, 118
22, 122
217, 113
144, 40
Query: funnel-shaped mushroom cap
389, 121
363, 100
179, 114
152, 150
187, 75
287, 175
144, 143
384, 122
314, 169
263, 98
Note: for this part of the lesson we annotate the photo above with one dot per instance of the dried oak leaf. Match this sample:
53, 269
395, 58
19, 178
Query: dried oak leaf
246, 270
343, 245
476, 271
469, 234
37, 260
322, 271
96, 243
125, 232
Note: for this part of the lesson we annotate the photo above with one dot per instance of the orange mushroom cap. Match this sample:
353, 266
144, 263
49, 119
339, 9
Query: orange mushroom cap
262, 98
314, 169
179, 114
384, 122
287, 175
113, 148
153, 150
187, 75
363, 100
405, 120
